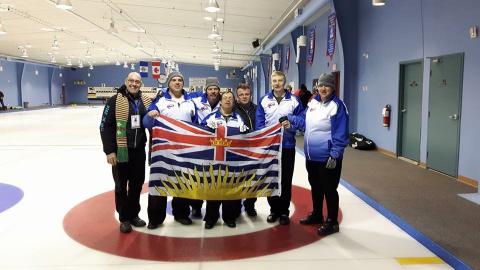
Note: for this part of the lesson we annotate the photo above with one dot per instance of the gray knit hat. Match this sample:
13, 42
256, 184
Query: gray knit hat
212, 81
174, 74
327, 79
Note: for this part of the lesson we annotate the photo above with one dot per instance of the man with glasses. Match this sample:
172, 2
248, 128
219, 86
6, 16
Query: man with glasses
124, 139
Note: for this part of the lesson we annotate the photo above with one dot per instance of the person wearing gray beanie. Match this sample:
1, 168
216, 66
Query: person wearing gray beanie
172, 75
212, 81
327, 79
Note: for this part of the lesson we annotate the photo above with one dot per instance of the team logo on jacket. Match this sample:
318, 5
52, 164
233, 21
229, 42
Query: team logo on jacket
270, 105
204, 108
169, 106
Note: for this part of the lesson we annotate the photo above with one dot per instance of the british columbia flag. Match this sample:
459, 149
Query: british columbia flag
195, 162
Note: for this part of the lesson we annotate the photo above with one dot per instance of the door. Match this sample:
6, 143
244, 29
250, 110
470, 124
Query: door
446, 73
410, 110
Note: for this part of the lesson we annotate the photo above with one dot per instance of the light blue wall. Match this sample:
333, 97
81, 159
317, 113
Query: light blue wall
8, 83
20, 84
112, 75
321, 63
292, 72
35, 88
405, 30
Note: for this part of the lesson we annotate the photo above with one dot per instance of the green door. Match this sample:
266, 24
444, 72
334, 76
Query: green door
410, 110
446, 75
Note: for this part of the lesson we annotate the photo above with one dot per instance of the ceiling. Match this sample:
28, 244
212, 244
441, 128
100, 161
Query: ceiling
173, 29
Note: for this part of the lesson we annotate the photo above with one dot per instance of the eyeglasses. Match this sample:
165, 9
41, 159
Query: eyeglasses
134, 81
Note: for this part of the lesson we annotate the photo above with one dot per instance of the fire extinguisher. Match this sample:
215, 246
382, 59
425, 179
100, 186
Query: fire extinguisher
386, 115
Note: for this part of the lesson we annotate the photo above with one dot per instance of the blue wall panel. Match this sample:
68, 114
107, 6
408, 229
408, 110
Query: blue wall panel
35, 87
8, 83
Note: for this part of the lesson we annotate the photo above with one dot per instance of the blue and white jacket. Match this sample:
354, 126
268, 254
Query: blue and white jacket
203, 106
165, 105
216, 118
326, 128
269, 111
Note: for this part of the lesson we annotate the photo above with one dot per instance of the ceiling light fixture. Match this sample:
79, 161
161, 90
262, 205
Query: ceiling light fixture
112, 30
24, 52
212, 6
214, 34
125, 64
69, 62
2, 29
80, 63
132, 66
117, 63
52, 59
55, 45
139, 45
64, 4
378, 3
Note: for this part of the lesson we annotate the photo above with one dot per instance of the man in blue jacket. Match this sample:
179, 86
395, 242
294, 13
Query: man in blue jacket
177, 104
272, 108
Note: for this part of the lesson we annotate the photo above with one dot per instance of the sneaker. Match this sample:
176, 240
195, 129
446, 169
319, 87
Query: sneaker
272, 218
230, 224
184, 221
328, 228
311, 219
152, 226
209, 225
284, 220
251, 212
125, 227
138, 222
197, 212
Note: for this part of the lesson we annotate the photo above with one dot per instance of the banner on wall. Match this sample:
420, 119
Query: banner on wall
332, 28
311, 46
143, 69
156, 69
287, 60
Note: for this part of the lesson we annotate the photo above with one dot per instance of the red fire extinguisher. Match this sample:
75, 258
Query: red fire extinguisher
386, 115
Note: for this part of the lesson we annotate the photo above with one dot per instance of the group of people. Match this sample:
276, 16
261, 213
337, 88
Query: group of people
128, 114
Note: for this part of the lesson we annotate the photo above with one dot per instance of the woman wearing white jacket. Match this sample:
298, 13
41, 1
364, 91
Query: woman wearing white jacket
325, 123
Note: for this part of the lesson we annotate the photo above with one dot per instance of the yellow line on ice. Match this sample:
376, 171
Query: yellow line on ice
419, 260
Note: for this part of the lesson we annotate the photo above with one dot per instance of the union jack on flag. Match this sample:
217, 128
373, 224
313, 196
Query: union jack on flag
195, 162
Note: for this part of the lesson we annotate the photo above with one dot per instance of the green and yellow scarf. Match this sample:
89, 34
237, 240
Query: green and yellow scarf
121, 115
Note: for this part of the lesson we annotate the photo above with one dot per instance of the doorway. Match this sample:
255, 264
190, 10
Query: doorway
445, 96
410, 115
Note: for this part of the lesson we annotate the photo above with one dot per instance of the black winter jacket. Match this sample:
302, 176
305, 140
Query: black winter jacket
248, 114
108, 127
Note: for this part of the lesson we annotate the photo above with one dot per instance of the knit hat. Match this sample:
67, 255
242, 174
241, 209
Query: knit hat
327, 79
172, 75
212, 81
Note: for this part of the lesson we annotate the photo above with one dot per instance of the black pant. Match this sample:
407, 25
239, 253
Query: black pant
324, 182
131, 174
3, 105
249, 203
196, 204
157, 209
229, 209
279, 204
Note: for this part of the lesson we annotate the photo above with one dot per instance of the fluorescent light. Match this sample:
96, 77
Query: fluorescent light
64, 4
212, 6
47, 29
378, 3
208, 18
